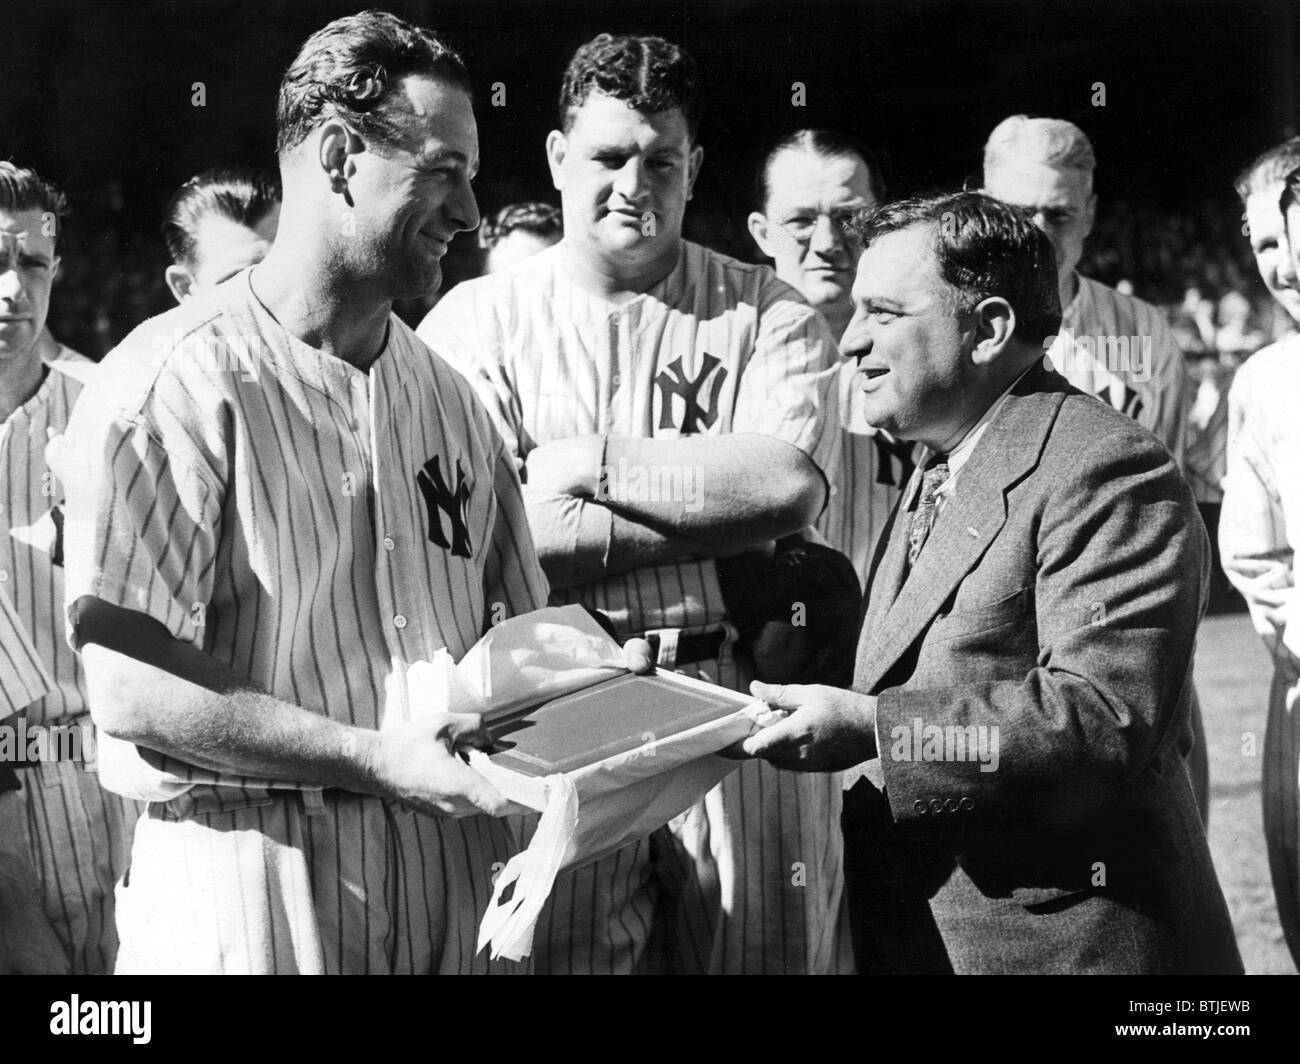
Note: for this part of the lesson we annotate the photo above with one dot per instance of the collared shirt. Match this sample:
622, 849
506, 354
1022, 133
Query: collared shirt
314, 528
960, 454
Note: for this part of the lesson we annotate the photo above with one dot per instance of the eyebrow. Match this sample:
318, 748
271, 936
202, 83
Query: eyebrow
880, 302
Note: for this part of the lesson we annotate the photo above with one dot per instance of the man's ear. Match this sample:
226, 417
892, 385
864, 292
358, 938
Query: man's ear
995, 325
557, 147
180, 281
758, 224
693, 163
1089, 215
335, 147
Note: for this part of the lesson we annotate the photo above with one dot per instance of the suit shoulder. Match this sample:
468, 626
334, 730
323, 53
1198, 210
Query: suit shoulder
1088, 424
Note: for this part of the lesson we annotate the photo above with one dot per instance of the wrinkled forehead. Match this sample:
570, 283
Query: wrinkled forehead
435, 119
1037, 185
30, 230
899, 267
798, 176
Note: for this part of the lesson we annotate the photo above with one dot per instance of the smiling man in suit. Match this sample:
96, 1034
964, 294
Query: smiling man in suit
1022, 679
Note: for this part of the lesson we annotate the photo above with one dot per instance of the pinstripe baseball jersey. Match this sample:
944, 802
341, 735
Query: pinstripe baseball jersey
380, 521
1122, 350
32, 534
873, 471
717, 347
316, 529
1259, 528
23, 678
79, 835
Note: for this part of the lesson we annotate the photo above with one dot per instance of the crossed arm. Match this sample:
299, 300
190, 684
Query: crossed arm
731, 493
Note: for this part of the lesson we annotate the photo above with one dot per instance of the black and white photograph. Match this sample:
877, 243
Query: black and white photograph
739, 487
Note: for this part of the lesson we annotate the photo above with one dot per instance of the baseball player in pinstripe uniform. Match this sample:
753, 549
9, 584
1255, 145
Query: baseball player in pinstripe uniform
811, 182
1113, 346
297, 504
668, 406
79, 834
28, 944
1259, 530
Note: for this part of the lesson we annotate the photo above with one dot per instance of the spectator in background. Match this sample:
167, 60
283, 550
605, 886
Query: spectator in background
519, 232
1236, 336
218, 223
1113, 346
810, 185
1260, 524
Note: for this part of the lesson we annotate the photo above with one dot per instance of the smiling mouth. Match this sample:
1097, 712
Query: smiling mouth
872, 372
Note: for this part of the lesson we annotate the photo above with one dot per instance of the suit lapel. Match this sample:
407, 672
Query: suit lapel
971, 519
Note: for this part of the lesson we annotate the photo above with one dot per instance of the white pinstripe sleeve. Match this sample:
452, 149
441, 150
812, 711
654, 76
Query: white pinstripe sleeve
23, 678
790, 387
142, 533
1252, 527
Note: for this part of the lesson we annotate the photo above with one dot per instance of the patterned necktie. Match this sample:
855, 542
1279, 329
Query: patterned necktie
932, 479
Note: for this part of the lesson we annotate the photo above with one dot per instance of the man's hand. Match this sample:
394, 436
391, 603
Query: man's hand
566, 467
827, 730
419, 764
637, 656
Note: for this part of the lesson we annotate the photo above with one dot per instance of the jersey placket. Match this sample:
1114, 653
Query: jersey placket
401, 620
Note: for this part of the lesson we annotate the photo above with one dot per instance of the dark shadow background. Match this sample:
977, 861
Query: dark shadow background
97, 97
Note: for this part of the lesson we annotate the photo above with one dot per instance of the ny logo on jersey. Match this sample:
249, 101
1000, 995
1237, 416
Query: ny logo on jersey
673, 381
887, 453
1130, 403
440, 499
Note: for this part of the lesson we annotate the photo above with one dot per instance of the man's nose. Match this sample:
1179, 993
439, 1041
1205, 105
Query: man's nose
856, 341
826, 237
630, 182
1288, 276
464, 209
11, 284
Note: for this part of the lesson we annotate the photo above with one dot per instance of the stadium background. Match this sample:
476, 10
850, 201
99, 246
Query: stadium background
98, 96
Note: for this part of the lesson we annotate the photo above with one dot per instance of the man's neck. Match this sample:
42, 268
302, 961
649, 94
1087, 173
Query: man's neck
617, 279
331, 313
946, 440
20, 378
1069, 287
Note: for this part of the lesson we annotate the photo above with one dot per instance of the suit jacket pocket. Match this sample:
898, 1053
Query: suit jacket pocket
1015, 609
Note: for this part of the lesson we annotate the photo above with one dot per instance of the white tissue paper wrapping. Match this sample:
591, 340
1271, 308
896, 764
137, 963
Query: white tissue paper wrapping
589, 812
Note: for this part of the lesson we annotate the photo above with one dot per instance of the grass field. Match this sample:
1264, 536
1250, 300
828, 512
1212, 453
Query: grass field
1232, 677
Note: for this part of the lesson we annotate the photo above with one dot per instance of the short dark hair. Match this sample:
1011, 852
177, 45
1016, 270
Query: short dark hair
240, 193
351, 69
540, 219
1268, 168
984, 248
25, 190
827, 143
651, 74
1290, 193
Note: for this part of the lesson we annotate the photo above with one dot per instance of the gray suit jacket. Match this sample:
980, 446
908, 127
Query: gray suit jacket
1050, 617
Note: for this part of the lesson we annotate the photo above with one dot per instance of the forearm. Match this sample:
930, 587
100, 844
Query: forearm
579, 541
165, 695
733, 489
